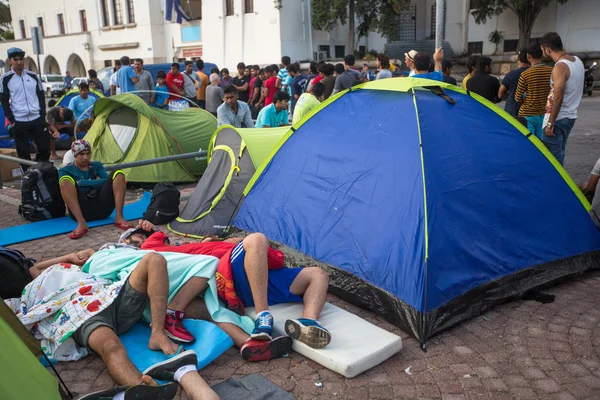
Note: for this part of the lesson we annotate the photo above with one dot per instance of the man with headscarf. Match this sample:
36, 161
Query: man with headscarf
89, 191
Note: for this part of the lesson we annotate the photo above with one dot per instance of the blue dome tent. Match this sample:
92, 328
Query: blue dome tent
429, 212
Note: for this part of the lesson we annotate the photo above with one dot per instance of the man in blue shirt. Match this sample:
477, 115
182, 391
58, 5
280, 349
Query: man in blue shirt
298, 83
423, 62
234, 112
126, 76
90, 192
160, 98
81, 107
275, 114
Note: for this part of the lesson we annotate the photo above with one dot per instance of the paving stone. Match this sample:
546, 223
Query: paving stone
547, 385
381, 392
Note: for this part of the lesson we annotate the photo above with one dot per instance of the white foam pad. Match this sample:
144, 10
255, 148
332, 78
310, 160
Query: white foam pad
356, 345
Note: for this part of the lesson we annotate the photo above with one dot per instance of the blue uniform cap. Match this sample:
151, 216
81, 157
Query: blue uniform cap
15, 51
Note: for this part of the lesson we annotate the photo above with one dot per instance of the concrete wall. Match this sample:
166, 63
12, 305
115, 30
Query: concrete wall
578, 23
254, 38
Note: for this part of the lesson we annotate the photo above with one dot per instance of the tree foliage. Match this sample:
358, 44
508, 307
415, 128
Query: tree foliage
6, 30
381, 16
527, 12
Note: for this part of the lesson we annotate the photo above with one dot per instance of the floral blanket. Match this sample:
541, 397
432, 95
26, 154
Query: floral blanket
58, 302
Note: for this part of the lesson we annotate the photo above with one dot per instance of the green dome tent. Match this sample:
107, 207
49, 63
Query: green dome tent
23, 376
126, 129
234, 155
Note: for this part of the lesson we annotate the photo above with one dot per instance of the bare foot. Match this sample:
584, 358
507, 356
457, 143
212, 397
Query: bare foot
146, 380
81, 227
160, 341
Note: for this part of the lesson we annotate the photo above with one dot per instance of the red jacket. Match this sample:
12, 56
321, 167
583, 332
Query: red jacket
220, 250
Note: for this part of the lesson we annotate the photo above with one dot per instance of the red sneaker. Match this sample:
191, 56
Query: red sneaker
260, 350
175, 330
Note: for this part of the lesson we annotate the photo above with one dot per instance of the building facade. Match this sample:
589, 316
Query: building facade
92, 34
84, 34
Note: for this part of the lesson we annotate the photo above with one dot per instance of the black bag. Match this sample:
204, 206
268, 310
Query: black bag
40, 193
164, 205
14, 272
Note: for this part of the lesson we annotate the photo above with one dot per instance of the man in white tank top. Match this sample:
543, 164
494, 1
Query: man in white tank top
565, 94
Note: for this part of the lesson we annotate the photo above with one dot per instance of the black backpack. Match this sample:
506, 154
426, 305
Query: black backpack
164, 205
40, 193
14, 272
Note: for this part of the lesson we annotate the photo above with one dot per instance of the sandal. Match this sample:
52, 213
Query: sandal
77, 234
124, 225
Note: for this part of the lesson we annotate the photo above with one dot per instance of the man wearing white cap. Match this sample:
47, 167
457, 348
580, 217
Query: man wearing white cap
409, 60
24, 105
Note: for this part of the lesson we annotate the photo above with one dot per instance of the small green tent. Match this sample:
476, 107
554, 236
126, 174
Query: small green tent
234, 155
23, 376
126, 129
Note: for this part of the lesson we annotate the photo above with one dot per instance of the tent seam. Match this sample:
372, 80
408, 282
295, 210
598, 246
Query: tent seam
425, 215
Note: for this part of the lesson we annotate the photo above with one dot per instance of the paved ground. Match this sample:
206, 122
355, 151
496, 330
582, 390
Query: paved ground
520, 350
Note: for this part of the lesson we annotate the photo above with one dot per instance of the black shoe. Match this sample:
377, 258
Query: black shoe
145, 392
105, 394
165, 370
259, 350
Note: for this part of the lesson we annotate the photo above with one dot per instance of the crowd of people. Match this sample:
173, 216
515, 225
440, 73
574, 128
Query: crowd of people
271, 95
544, 97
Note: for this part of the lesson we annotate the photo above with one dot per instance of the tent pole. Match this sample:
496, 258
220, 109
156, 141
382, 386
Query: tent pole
200, 155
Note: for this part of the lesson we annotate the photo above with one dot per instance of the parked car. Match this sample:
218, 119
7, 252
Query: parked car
54, 85
77, 81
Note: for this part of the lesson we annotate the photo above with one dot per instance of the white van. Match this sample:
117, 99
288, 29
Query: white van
54, 85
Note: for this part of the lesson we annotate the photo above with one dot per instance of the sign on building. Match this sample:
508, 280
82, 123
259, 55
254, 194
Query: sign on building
36, 39
194, 52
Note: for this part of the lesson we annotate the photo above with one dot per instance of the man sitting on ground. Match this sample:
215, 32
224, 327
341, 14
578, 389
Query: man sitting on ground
60, 120
90, 192
258, 278
233, 111
275, 114
82, 106
89, 313
423, 62
308, 101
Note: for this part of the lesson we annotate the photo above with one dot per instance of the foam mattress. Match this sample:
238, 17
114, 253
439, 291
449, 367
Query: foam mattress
356, 345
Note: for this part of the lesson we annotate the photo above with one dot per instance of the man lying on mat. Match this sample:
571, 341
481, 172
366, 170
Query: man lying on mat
73, 311
192, 288
252, 274
90, 192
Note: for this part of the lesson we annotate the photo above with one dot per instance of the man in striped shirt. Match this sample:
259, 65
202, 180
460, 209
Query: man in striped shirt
532, 90
282, 75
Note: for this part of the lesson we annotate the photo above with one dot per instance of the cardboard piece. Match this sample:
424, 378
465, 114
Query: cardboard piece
9, 170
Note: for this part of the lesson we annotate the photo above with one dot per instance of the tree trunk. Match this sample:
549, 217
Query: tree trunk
525, 27
351, 27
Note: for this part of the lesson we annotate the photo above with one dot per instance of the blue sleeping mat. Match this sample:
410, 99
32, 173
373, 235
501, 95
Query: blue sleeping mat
210, 343
58, 226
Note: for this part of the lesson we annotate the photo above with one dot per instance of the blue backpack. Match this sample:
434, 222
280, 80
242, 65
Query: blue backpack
14, 272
